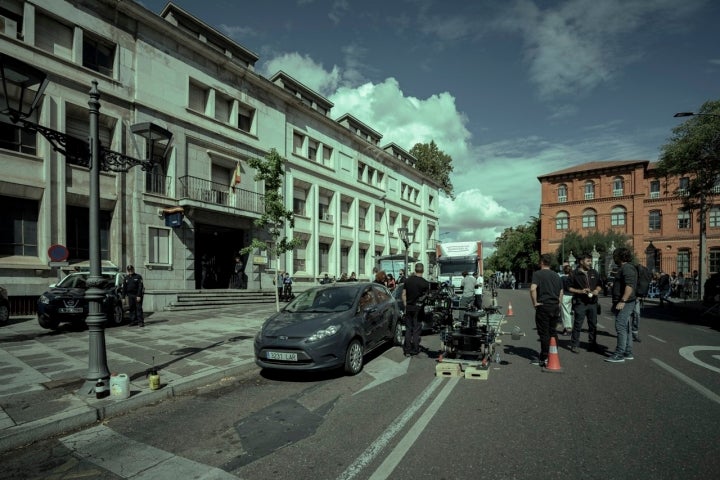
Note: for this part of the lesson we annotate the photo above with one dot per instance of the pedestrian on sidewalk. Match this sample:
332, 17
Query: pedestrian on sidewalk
133, 289
623, 300
545, 294
585, 288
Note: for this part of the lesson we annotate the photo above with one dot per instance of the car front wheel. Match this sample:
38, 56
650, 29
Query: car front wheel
116, 318
399, 336
354, 358
48, 322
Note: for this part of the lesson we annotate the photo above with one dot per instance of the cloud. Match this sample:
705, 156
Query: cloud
306, 70
238, 33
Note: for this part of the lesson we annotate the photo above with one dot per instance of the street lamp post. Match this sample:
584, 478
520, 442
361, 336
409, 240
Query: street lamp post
20, 81
407, 239
703, 231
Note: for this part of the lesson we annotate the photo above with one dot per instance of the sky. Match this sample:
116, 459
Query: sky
510, 89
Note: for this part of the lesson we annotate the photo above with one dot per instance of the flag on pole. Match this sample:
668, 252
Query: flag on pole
236, 175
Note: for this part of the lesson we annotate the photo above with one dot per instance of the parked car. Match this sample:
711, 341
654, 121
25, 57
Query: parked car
4, 305
65, 301
329, 326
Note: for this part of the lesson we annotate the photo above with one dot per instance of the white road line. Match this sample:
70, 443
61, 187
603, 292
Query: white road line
376, 447
657, 338
393, 459
701, 389
130, 459
688, 353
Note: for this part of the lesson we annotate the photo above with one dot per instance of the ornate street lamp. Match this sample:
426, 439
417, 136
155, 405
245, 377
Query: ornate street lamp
407, 239
21, 81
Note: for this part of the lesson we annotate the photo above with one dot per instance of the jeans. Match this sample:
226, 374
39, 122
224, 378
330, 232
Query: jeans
413, 330
545, 319
636, 318
623, 328
581, 312
136, 310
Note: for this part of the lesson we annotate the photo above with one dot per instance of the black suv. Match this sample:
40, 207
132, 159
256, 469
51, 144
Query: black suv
66, 302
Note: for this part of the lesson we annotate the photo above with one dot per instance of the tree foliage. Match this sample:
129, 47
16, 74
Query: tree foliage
577, 244
693, 151
435, 163
516, 248
271, 171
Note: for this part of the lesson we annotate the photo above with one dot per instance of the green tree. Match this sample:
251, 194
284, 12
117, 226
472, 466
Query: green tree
693, 152
516, 249
275, 218
577, 244
435, 163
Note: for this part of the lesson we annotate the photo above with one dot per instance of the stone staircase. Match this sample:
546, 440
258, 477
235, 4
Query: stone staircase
203, 299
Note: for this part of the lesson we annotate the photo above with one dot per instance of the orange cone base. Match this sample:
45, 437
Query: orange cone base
553, 364
510, 310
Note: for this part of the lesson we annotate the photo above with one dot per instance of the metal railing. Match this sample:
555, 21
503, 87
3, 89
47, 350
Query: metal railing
158, 184
199, 189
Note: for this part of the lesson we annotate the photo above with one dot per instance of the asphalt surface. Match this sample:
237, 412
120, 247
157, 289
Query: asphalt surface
41, 371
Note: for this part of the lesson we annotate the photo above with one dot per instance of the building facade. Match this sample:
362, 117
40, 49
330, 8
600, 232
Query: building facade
183, 223
629, 198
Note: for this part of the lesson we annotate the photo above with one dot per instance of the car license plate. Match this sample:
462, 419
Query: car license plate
284, 356
70, 310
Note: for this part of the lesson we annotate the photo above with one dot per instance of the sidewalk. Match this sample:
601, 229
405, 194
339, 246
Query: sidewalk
41, 370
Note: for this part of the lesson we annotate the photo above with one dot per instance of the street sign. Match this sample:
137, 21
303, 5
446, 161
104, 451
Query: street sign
58, 253
259, 260
58, 264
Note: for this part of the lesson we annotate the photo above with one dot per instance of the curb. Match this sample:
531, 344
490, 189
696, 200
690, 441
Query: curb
79, 417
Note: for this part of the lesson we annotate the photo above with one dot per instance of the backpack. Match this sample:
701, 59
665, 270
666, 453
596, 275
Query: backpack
643, 281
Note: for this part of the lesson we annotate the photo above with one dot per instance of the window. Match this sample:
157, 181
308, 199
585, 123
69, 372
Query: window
323, 257
589, 190
654, 220
714, 260
618, 187
562, 193
300, 256
683, 261
298, 141
12, 137
655, 189
223, 107
344, 258
618, 216
345, 212
683, 220
299, 200
98, 55
198, 97
78, 226
11, 20
714, 217
53, 36
562, 221
362, 253
589, 218
18, 226
246, 115
327, 154
683, 186
159, 246
313, 146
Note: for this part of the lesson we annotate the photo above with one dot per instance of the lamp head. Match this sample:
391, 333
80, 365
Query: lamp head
22, 87
153, 135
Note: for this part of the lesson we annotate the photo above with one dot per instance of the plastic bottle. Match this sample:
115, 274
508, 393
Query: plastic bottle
100, 391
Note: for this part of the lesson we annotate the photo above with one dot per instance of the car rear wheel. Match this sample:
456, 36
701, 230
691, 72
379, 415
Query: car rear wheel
354, 358
48, 322
399, 335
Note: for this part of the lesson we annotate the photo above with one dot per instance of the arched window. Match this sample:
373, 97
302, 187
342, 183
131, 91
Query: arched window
589, 190
654, 220
618, 187
618, 216
562, 192
683, 220
589, 218
562, 221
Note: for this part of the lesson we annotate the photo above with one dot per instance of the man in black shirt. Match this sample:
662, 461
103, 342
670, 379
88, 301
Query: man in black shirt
545, 293
134, 290
415, 288
585, 288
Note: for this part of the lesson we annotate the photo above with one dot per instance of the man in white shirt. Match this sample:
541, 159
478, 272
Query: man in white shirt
478, 290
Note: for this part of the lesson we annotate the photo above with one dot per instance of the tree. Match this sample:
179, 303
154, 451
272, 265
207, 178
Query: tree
275, 218
435, 163
516, 249
576, 244
693, 152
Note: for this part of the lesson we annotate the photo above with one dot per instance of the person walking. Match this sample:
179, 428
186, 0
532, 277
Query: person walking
664, 287
545, 294
467, 297
414, 288
566, 307
584, 288
134, 290
623, 304
478, 290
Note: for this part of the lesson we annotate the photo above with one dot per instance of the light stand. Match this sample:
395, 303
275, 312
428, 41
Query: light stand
20, 80
407, 239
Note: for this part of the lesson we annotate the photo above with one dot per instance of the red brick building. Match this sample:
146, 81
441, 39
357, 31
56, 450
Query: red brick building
625, 196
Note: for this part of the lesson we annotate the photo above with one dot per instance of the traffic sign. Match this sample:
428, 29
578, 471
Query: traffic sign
58, 253
58, 264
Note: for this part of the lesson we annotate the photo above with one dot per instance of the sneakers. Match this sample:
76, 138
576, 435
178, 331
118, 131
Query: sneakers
629, 356
574, 349
615, 359
636, 338
539, 363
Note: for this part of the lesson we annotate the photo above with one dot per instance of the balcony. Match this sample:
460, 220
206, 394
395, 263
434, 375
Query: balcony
213, 193
158, 184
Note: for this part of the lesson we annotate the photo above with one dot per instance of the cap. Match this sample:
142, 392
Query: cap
130, 267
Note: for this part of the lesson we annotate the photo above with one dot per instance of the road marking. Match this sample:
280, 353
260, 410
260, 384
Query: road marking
382, 370
701, 389
127, 458
657, 338
393, 459
688, 353
398, 424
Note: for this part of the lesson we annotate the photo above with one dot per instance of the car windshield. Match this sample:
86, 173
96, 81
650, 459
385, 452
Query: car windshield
331, 299
79, 280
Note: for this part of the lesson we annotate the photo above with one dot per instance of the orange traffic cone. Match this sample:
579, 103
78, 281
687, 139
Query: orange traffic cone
553, 361
510, 312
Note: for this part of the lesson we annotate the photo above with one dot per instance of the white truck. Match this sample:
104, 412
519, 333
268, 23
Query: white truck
453, 258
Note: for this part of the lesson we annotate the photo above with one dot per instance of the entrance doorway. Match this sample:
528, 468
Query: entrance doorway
215, 251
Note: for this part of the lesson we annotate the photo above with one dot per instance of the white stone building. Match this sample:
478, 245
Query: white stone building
349, 192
